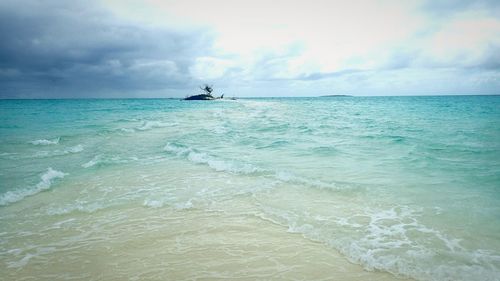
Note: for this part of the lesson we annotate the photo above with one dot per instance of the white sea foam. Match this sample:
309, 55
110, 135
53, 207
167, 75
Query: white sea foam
45, 142
74, 149
237, 167
40, 251
212, 161
78, 206
104, 160
177, 149
9, 155
222, 165
148, 125
394, 240
184, 205
170, 201
45, 183
48, 177
92, 162
127, 130
153, 203
291, 178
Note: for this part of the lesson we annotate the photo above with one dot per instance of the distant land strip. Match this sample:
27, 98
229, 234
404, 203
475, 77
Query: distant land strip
334, 96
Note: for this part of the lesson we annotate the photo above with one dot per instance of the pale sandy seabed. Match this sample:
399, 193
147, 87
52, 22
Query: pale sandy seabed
146, 240
188, 245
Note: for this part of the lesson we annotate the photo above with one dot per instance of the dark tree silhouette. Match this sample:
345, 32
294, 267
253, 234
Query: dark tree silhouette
207, 94
208, 89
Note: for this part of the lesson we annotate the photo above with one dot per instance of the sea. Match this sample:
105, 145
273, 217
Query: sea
325, 188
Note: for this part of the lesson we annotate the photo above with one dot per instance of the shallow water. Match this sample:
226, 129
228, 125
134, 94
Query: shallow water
366, 188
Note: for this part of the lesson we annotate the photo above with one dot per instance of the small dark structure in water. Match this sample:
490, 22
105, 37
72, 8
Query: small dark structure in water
200, 97
207, 95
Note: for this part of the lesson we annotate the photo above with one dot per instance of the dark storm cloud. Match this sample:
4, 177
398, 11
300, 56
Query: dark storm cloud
77, 48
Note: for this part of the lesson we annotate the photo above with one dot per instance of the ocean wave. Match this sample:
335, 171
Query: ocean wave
74, 149
39, 251
154, 203
325, 151
92, 162
9, 155
45, 141
145, 126
237, 167
100, 160
126, 120
148, 125
212, 161
184, 205
83, 207
127, 130
395, 241
22, 262
46, 181
159, 203
292, 178
274, 144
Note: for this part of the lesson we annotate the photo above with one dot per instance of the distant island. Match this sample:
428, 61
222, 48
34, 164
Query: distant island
207, 95
334, 96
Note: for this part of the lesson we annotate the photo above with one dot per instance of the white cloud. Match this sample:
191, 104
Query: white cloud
271, 47
463, 41
333, 33
209, 68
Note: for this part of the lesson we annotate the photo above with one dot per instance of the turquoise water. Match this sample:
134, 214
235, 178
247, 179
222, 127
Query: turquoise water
406, 185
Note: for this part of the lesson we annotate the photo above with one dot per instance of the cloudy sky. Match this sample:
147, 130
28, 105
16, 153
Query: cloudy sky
166, 48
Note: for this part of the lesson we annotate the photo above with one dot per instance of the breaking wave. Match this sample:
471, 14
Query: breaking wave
45, 142
393, 240
148, 125
213, 162
44, 153
100, 160
236, 167
46, 181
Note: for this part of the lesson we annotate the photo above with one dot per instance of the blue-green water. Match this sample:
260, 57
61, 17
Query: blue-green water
406, 185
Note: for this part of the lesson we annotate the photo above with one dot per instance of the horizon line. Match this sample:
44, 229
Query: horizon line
254, 97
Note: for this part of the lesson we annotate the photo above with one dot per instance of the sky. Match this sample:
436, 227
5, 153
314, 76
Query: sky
156, 48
